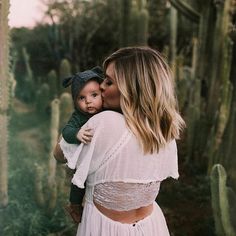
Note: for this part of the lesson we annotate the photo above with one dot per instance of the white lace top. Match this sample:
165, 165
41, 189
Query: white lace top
117, 173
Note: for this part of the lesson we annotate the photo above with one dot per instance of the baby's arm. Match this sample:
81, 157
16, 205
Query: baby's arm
70, 130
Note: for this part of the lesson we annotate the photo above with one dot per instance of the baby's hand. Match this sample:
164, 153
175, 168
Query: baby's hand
85, 135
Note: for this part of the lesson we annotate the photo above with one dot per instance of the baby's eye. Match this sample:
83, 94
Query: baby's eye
94, 95
81, 98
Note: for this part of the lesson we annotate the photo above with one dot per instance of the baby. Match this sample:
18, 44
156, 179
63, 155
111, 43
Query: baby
86, 95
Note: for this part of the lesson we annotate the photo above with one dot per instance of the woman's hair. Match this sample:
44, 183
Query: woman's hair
148, 99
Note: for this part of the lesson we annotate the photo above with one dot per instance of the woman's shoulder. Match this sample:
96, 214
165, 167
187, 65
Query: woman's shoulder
108, 117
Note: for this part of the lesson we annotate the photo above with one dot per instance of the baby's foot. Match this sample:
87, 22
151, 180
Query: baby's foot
75, 211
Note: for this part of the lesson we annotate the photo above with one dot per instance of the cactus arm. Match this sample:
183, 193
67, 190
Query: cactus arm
186, 10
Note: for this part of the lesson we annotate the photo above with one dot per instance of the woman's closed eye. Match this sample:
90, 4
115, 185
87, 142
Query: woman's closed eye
108, 81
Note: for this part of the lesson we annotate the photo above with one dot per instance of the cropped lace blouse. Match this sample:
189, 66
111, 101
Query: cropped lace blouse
118, 175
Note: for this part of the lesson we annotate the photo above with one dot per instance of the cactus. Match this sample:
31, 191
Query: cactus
211, 96
65, 71
186, 10
42, 98
173, 38
47, 198
29, 82
222, 196
4, 100
142, 23
27, 64
126, 7
222, 51
52, 81
39, 194
220, 94
55, 114
66, 109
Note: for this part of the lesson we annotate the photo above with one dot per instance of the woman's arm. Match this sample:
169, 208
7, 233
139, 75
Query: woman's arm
58, 154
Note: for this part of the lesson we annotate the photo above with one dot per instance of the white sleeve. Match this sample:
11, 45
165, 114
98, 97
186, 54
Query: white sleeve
69, 151
168, 163
84, 155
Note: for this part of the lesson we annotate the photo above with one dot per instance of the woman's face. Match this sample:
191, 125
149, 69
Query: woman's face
110, 91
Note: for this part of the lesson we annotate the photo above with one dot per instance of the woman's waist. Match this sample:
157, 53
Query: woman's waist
128, 217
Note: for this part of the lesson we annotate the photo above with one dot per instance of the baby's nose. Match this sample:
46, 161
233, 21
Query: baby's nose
88, 100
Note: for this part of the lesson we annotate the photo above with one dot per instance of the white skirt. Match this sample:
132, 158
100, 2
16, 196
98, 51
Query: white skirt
94, 223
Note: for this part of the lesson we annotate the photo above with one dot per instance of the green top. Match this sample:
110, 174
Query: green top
76, 121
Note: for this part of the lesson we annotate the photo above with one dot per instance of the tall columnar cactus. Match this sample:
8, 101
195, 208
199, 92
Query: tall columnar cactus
212, 93
222, 51
65, 71
138, 27
222, 197
29, 82
38, 185
52, 184
46, 196
66, 109
42, 98
220, 92
27, 64
126, 6
52, 80
142, 23
4, 100
173, 38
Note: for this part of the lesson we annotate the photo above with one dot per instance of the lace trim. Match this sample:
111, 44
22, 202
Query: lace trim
122, 196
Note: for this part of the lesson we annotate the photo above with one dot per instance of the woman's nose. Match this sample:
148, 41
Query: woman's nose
102, 87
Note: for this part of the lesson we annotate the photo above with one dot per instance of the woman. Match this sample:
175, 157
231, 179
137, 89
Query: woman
132, 150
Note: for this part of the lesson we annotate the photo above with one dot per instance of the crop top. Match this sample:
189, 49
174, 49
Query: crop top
118, 174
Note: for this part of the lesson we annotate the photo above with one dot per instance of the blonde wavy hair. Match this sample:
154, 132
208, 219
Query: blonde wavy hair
147, 100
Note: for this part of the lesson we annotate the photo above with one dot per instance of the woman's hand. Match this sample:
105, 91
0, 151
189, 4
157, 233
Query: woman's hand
85, 135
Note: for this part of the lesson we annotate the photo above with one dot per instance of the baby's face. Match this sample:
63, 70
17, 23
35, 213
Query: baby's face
89, 99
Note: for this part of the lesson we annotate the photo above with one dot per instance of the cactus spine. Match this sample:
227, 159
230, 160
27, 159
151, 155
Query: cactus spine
220, 194
4, 100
